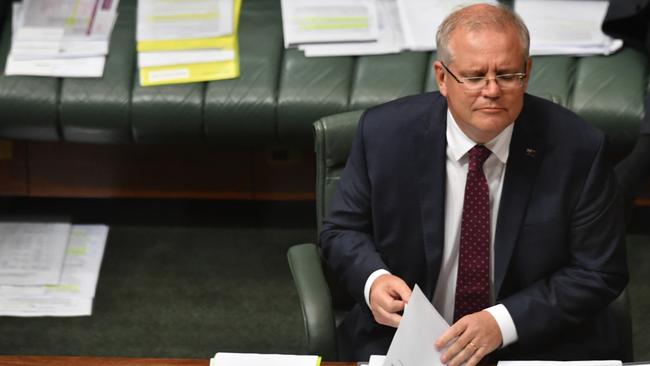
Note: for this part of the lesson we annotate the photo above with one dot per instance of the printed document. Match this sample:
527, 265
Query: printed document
420, 20
567, 27
178, 19
32, 253
318, 21
561, 363
389, 39
421, 325
255, 359
73, 294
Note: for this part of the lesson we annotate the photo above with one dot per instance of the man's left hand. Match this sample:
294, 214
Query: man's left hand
470, 339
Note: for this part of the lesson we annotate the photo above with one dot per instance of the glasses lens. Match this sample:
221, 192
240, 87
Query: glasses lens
509, 81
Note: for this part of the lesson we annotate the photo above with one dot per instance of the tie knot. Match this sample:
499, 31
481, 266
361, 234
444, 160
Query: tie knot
477, 156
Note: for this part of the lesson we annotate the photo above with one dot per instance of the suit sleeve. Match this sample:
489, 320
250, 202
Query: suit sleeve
346, 237
596, 272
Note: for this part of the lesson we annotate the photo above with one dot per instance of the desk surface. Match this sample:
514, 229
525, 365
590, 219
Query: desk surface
114, 361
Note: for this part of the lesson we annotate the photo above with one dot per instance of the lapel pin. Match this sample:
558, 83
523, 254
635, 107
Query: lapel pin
531, 152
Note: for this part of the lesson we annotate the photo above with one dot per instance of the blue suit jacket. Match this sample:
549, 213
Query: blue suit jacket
559, 245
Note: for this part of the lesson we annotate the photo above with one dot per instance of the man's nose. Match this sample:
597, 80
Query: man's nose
491, 88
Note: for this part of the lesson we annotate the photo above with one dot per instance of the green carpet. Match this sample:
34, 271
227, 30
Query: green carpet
179, 279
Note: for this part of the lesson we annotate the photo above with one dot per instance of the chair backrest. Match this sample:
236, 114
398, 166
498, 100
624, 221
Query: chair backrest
333, 136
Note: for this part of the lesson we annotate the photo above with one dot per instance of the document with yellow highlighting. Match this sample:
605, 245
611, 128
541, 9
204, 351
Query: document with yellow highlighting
182, 48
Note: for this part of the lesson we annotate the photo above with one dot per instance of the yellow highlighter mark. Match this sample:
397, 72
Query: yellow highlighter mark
310, 23
64, 288
78, 251
184, 17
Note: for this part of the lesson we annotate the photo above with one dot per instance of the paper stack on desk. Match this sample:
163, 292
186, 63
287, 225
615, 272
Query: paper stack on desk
568, 27
363, 27
183, 42
49, 269
254, 359
61, 38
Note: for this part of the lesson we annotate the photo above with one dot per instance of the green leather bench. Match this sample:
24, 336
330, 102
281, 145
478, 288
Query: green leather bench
280, 93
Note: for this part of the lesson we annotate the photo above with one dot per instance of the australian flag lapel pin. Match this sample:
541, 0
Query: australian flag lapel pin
530, 152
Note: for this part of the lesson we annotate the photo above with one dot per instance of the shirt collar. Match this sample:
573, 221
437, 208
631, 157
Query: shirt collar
458, 144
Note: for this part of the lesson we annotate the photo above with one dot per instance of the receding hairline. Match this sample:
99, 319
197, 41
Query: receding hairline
476, 18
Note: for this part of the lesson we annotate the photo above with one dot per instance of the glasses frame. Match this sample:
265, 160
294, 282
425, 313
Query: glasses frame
519, 75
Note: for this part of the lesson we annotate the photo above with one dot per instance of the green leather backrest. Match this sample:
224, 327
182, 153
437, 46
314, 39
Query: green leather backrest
281, 92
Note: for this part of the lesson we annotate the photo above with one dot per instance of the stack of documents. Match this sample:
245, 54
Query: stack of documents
49, 269
61, 38
244, 359
567, 27
183, 41
366, 27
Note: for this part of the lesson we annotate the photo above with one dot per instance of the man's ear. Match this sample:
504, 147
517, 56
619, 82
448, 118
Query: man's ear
440, 77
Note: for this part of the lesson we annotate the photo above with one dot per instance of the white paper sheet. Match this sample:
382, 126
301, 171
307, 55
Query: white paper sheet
256, 359
421, 325
567, 27
561, 363
81, 265
72, 19
42, 306
389, 39
420, 20
318, 21
180, 19
150, 59
74, 293
32, 253
59, 67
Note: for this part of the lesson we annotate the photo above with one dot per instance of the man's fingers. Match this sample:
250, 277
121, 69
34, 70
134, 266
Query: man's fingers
402, 291
388, 294
389, 318
450, 334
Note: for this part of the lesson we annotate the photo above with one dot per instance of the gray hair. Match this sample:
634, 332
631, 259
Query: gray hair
497, 17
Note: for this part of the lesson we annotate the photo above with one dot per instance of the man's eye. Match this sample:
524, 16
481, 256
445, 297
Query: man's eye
507, 77
475, 80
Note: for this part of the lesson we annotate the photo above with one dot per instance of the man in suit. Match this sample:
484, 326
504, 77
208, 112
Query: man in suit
480, 170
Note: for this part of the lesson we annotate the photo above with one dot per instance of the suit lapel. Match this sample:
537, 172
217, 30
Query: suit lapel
431, 145
524, 159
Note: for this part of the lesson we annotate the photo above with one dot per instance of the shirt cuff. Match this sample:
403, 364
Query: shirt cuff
373, 276
506, 324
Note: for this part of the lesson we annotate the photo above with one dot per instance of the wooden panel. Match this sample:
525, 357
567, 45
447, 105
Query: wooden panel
138, 170
13, 168
284, 174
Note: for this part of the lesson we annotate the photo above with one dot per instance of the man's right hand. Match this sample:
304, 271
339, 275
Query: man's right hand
388, 295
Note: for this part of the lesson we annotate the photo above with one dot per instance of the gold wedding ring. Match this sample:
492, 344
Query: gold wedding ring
473, 345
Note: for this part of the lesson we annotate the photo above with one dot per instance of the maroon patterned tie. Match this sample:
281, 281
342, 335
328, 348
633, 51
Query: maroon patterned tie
473, 279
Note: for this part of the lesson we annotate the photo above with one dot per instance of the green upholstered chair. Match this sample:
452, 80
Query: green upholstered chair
322, 301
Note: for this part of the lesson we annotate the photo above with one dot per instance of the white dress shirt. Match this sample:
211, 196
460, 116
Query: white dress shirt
458, 144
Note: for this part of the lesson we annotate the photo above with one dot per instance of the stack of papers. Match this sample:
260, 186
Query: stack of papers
367, 27
183, 41
568, 27
253, 359
364, 27
49, 269
61, 38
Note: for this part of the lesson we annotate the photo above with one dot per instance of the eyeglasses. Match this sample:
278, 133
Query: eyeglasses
477, 83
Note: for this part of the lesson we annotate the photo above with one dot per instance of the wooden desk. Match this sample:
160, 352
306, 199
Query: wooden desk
114, 361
